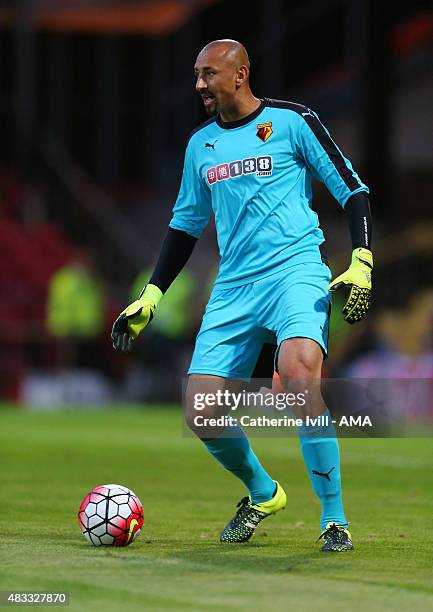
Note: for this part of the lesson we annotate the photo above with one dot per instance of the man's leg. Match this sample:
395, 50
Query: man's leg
299, 366
230, 446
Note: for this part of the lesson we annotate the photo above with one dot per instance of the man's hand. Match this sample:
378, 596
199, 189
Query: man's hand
131, 322
358, 279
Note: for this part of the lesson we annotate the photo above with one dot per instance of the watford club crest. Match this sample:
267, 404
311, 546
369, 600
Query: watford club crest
264, 130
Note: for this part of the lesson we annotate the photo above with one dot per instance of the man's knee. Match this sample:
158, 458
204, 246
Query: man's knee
200, 405
300, 358
195, 405
299, 367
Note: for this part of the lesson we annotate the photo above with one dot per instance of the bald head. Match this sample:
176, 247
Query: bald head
228, 50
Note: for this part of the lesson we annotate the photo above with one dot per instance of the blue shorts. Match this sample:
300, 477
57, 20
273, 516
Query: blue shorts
238, 321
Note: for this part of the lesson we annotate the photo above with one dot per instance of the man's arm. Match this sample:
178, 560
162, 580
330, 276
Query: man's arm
175, 252
331, 167
357, 278
190, 215
359, 217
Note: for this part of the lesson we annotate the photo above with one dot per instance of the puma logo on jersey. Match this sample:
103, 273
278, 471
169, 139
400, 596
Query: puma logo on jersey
210, 145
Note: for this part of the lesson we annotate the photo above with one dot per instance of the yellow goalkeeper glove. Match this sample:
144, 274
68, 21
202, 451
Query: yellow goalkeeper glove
358, 280
131, 321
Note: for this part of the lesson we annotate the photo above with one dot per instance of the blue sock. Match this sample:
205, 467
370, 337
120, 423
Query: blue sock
234, 452
321, 454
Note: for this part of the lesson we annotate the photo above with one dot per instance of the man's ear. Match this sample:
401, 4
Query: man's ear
241, 76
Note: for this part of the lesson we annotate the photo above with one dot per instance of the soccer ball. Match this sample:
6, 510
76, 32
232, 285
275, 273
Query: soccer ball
110, 515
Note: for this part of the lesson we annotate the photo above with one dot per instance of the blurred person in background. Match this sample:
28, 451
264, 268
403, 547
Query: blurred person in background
75, 312
404, 352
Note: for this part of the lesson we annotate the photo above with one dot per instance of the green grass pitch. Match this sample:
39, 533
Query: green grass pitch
50, 461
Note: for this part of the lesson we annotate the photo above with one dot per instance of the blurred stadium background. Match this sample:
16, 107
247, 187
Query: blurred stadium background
96, 102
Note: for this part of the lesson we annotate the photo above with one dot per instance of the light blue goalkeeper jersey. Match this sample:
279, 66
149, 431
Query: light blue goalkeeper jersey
255, 175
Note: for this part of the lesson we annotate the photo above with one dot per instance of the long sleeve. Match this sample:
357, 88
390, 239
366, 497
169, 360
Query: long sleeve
325, 160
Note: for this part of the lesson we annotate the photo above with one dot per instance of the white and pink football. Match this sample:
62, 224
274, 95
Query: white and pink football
110, 515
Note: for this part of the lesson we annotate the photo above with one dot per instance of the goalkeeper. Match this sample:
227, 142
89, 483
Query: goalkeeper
252, 165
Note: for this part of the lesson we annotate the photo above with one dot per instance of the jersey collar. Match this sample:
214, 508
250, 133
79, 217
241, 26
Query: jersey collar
229, 125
